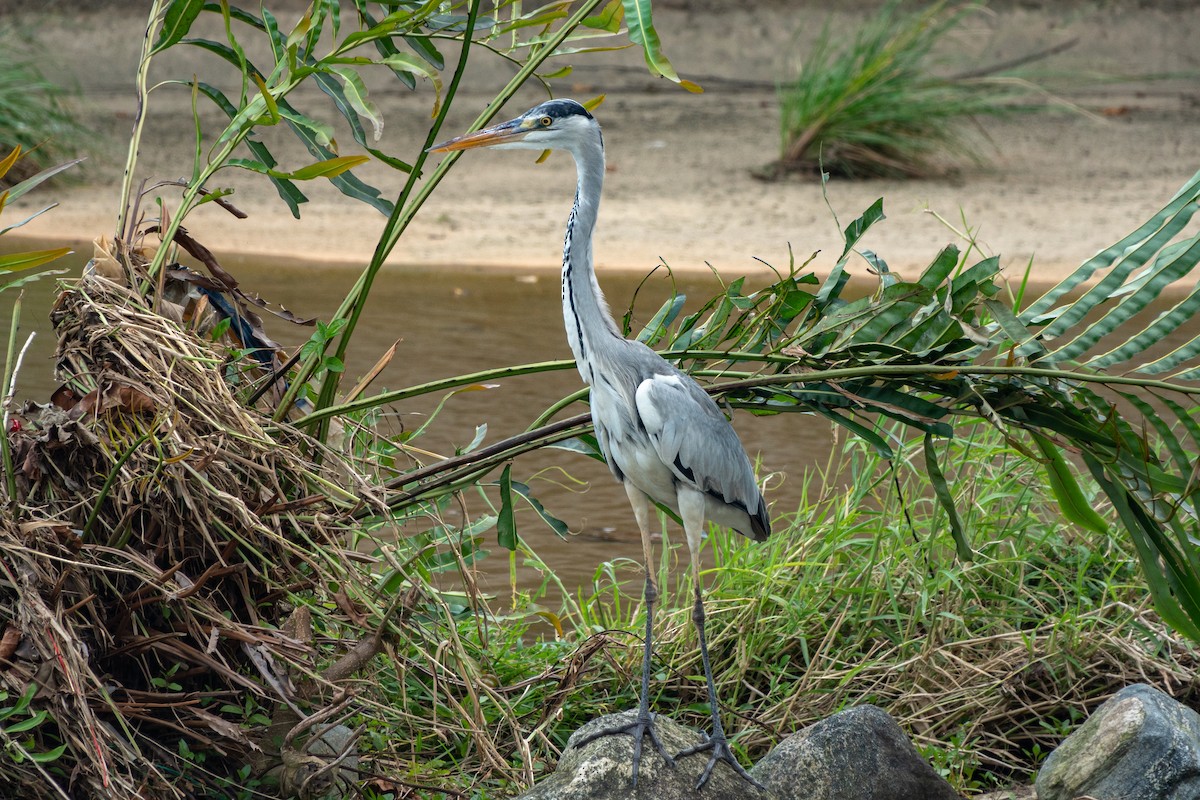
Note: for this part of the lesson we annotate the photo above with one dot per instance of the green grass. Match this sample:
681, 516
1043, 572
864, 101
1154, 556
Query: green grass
875, 106
987, 664
35, 111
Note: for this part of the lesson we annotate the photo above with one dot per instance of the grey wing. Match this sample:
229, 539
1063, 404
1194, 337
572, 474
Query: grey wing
694, 440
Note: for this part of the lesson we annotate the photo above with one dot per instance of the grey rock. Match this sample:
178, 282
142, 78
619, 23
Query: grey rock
858, 754
1140, 745
602, 769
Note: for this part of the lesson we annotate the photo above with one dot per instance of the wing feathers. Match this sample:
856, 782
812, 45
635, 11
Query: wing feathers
694, 440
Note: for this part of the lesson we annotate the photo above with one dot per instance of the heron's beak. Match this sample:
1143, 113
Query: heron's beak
512, 131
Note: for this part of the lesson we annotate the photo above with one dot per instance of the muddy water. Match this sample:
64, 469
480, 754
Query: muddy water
451, 322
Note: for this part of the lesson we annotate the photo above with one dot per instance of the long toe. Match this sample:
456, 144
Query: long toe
639, 728
719, 746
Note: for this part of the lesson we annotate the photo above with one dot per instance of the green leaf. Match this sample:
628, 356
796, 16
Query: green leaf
356, 94
1166, 323
1071, 500
1022, 338
347, 183
858, 429
329, 168
15, 262
1173, 263
176, 23
662, 319
272, 108
48, 756
858, 228
30, 182
1172, 581
506, 524
640, 25
941, 267
480, 433
609, 19
942, 491
557, 525
252, 165
26, 724
330, 86
1132, 252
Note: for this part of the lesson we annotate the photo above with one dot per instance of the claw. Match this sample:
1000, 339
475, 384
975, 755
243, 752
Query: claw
720, 752
640, 727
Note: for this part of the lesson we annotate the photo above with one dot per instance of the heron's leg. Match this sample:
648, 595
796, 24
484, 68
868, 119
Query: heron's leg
643, 724
691, 509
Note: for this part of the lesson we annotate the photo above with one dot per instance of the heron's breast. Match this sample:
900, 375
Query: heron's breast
627, 447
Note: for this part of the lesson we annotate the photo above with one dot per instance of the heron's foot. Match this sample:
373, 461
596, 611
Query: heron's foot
641, 726
719, 746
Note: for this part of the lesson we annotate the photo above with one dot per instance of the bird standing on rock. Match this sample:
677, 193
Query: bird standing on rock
662, 435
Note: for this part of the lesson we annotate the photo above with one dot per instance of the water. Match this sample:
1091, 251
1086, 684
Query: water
451, 322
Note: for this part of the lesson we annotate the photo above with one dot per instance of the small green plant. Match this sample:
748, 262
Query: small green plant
34, 112
19, 727
875, 106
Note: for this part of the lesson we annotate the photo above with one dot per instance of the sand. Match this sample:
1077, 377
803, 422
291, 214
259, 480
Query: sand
1057, 186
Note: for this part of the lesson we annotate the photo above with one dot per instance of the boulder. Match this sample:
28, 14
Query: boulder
858, 754
1140, 745
602, 769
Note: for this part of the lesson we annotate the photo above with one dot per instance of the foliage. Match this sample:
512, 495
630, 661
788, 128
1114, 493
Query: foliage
236, 559
875, 106
860, 599
855, 599
34, 113
205, 580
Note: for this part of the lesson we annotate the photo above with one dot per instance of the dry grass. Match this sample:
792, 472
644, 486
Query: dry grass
152, 564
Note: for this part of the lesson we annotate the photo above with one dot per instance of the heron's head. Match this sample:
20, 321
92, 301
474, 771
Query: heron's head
553, 125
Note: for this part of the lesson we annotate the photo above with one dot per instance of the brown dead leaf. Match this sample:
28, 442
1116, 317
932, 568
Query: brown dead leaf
9, 642
104, 263
125, 398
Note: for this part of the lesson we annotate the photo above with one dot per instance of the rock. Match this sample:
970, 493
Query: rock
858, 754
603, 769
1140, 745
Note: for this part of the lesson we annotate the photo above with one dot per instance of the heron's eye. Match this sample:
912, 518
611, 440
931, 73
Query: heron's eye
545, 122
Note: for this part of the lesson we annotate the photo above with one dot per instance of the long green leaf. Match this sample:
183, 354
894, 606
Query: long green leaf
1071, 500
506, 524
640, 25
941, 490
15, 262
1154, 333
1175, 261
1134, 250
30, 182
356, 94
177, 22
288, 191
1174, 589
329, 168
557, 525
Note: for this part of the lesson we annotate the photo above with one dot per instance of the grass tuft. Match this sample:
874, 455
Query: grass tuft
876, 107
34, 110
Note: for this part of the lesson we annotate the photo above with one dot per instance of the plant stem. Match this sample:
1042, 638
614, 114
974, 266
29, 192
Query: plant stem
139, 123
10, 375
406, 209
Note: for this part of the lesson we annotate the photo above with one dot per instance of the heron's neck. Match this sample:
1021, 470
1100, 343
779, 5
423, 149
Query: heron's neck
590, 326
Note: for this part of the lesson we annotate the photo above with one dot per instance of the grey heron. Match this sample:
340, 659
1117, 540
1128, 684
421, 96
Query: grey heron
662, 435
